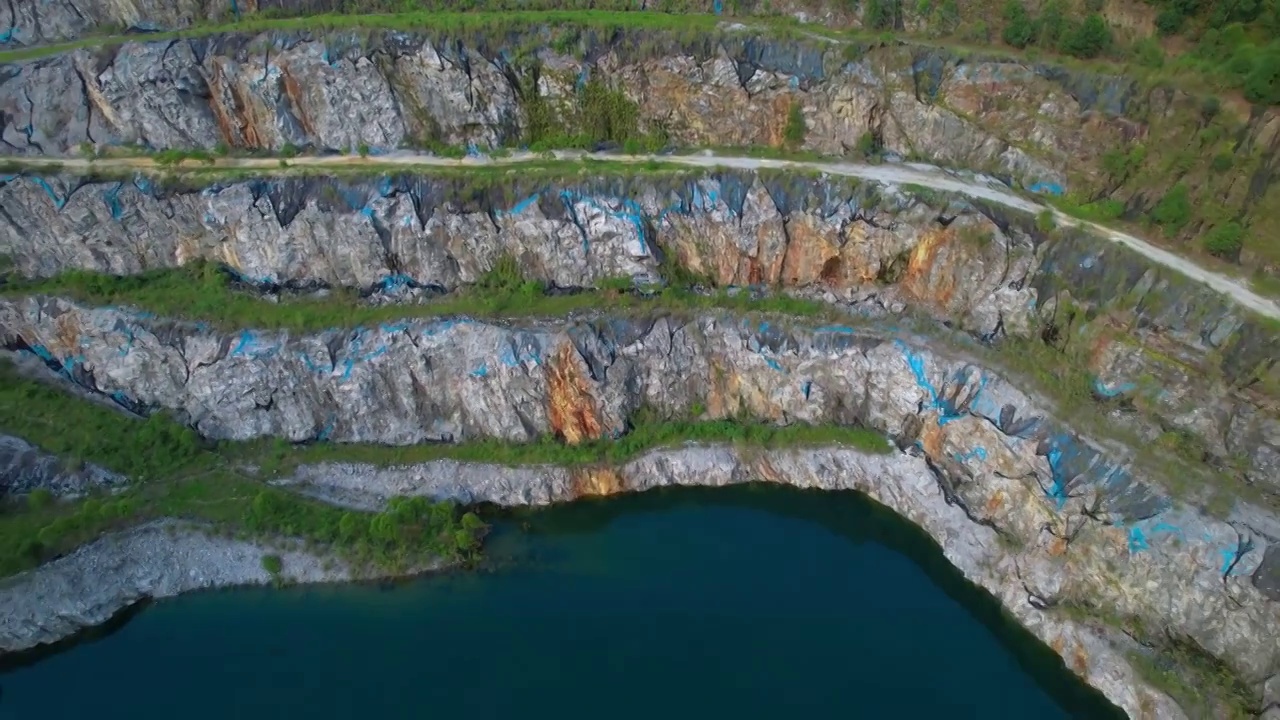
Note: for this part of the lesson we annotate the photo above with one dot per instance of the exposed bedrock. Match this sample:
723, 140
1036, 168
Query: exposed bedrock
459, 379
1182, 354
25, 467
391, 89
51, 602
1032, 570
156, 560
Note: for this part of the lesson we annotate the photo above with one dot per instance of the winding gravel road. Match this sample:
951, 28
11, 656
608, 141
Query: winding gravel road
971, 184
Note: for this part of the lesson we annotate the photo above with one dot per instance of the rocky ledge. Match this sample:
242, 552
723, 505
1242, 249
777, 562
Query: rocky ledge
157, 560
1092, 529
24, 468
1196, 365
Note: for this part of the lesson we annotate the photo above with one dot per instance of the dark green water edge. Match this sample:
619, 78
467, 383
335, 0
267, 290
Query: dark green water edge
821, 600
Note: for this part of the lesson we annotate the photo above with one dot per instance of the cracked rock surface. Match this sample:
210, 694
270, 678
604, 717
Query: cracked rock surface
1195, 364
385, 89
157, 560
1106, 535
24, 468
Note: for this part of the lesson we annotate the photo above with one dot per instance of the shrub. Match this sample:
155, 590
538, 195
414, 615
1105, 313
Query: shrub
1225, 241
1262, 85
868, 145
1089, 39
1170, 21
272, 564
39, 499
1174, 210
1221, 162
1045, 222
795, 130
1018, 28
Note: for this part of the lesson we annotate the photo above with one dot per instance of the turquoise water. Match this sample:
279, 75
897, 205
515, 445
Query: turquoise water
760, 602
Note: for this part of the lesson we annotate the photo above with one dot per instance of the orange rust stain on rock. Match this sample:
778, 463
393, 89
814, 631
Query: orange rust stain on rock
293, 91
1098, 351
995, 502
755, 275
597, 481
222, 115
919, 279
1058, 547
571, 406
776, 124
810, 257
244, 106
67, 332
1080, 661
932, 438
1059, 644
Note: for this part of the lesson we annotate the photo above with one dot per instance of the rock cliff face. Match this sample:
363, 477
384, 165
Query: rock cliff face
392, 89
1046, 127
1178, 352
994, 449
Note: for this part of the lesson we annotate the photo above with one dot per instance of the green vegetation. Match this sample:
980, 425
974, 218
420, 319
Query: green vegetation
1201, 684
204, 483
206, 292
177, 475
1173, 211
597, 113
647, 431
1225, 241
273, 564
794, 132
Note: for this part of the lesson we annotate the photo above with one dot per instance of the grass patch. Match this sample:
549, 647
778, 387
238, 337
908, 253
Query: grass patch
181, 476
176, 474
646, 433
207, 293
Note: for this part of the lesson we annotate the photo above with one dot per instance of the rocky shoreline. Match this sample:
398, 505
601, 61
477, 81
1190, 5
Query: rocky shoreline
166, 558
157, 560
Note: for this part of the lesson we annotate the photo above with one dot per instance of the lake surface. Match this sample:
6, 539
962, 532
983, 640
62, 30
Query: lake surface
763, 602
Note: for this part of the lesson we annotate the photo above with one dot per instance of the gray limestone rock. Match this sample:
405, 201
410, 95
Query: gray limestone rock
24, 467
157, 560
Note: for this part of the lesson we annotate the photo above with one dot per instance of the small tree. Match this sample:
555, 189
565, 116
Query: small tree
1089, 39
1052, 22
1262, 84
1225, 241
1018, 28
1174, 210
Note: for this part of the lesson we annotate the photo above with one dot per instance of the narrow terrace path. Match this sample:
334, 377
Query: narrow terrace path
976, 186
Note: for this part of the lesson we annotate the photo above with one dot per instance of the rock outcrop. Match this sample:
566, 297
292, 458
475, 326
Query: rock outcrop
995, 451
1202, 372
157, 560
24, 468
386, 90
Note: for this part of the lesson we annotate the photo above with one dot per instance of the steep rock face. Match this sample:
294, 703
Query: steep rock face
995, 449
391, 89
24, 467
1150, 339
36, 23
157, 560
966, 263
